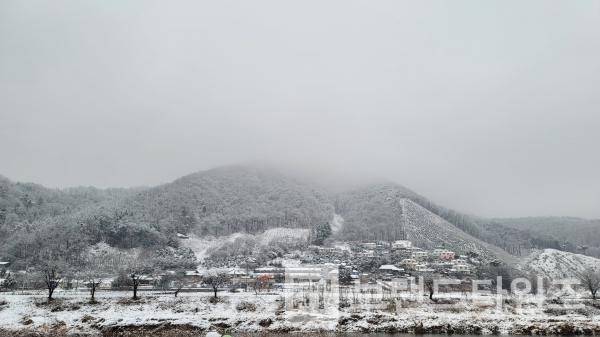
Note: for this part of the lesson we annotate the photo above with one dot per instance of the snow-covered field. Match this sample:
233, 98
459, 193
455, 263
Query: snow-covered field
296, 311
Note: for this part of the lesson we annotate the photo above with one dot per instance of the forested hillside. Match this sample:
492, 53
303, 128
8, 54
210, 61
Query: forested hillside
373, 212
233, 199
39, 224
391, 212
570, 234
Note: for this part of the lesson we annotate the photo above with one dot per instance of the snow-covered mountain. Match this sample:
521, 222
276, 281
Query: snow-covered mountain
230, 203
552, 263
430, 231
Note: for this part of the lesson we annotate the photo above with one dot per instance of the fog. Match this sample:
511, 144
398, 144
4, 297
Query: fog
490, 108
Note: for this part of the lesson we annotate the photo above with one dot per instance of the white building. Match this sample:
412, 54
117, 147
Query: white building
437, 251
390, 269
402, 244
462, 268
418, 255
365, 254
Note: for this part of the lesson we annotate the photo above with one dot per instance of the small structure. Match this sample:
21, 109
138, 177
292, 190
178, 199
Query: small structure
421, 267
462, 269
105, 283
369, 245
236, 274
327, 250
390, 269
401, 244
418, 254
409, 263
437, 251
193, 276
365, 254
447, 255
182, 236
364, 278
303, 274
4, 265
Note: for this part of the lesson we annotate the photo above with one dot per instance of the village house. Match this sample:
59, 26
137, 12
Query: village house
193, 276
268, 271
422, 267
390, 269
182, 236
446, 255
102, 284
369, 245
327, 250
420, 254
303, 274
384, 244
409, 263
462, 269
437, 251
236, 274
365, 254
401, 244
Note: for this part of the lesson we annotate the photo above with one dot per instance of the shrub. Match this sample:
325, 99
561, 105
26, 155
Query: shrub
245, 306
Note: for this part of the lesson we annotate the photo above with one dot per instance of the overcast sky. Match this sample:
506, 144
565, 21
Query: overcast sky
491, 108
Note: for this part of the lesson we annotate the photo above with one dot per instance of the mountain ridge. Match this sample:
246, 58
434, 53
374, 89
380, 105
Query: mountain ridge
217, 202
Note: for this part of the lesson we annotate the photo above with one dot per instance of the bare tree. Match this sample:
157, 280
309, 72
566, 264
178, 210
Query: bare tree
215, 278
428, 284
95, 272
590, 279
51, 279
179, 280
137, 271
136, 279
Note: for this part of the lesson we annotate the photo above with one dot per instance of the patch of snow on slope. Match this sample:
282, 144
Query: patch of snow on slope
552, 263
201, 245
337, 223
282, 234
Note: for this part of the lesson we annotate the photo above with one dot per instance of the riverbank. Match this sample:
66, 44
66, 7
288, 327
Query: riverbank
190, 314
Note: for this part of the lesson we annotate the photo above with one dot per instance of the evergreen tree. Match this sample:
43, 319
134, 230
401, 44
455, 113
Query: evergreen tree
320, 233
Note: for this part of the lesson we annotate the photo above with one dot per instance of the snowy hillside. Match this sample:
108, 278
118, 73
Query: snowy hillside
552, 263
429, 231
201, 245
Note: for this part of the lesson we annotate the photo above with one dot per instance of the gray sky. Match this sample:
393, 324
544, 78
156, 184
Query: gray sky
491, 108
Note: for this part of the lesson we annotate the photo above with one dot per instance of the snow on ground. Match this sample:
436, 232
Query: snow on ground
552, 263
75, 311
249, 312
